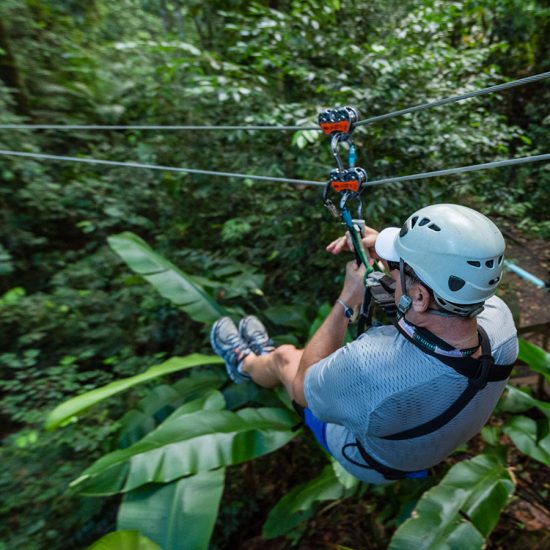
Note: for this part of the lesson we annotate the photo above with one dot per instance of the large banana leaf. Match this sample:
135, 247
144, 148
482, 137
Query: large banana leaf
529, 438
488, 484
299, 504
437, 524
537, 359
77, 405
188, 444
179, 515
211, 401
162, 400
459, 512
127, 540
171, 282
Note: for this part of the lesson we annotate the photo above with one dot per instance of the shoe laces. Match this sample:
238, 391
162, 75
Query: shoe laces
260, 335
236, 348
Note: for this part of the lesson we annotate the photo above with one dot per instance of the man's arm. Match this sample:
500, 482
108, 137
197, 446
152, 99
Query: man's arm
330, 335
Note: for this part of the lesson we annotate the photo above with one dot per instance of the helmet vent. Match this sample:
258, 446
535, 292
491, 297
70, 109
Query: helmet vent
434, 227
456, 283
474, 263
500, 260
490, 263
494, 281
404, 230
424, 221
413, 221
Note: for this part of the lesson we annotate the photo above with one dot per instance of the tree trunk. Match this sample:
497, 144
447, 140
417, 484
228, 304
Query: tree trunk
10, 75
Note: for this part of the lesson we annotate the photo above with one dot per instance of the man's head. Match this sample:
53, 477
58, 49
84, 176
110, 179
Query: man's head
454, 251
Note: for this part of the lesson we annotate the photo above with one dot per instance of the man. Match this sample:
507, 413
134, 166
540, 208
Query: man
401, 398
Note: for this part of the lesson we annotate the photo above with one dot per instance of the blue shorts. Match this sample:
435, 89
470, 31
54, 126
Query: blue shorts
318, 428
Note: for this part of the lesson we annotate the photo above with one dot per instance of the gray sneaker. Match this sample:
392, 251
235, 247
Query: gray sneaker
228, 344
255, 335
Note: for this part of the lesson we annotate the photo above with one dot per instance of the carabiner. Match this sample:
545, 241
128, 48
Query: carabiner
334, 142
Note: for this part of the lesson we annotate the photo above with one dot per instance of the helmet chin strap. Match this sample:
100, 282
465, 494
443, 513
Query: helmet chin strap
405, 302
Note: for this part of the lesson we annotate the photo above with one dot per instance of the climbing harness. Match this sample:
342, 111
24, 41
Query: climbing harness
478, 372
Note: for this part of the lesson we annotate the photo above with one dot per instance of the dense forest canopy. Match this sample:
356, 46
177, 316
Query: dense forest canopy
73, 317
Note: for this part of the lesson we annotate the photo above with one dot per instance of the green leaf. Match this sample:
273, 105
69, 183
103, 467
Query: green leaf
488, 485
516, 400
211, 401
299, 503
179, 515
461, 510
134, 425
239, 395
436, 524
137, 424
158, 398
12, 296
171, 282
491, 435
188, 444
162, 400
537, 359
288, 316
77, 405
127, 540
344, 477
524, 433
199, 382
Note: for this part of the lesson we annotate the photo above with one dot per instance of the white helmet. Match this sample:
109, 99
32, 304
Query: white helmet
454, 250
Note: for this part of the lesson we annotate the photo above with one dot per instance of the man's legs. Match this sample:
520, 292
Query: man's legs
278, 367
248, 353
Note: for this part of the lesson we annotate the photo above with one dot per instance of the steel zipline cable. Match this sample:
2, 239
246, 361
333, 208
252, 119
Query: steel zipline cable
86, 160
364, 122
456, 98
383, 181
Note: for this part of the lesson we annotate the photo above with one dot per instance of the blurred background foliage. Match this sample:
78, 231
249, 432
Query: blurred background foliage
72, 317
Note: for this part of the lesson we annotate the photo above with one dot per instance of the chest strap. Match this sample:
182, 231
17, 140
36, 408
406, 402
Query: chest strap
478, 371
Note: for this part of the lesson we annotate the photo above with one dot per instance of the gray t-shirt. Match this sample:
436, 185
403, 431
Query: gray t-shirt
382, 384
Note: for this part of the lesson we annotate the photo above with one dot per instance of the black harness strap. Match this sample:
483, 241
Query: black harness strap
466, 366
365, 314
478, 371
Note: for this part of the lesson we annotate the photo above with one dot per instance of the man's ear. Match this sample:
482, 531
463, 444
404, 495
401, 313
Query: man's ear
420, 297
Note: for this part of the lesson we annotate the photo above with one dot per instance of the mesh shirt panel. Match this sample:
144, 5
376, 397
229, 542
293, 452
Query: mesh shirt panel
381, 384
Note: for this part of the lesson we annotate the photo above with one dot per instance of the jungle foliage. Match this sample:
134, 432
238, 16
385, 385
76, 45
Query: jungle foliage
78, 316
